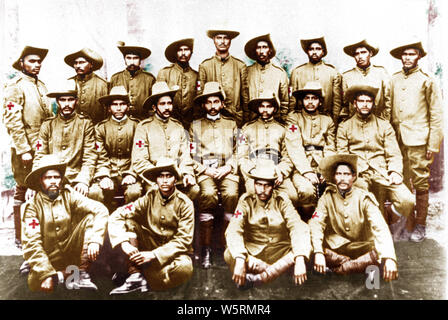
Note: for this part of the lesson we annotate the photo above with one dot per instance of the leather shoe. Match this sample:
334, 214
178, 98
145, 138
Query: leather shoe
135, 282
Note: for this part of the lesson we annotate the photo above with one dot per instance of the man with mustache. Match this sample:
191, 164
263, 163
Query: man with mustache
365, 73
266, 76
137, 82
25, 107
317, 70
213, 140
88, 84
348, 233
230, 72
380, 163
181, 74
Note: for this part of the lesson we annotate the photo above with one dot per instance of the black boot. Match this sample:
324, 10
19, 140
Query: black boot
135, 282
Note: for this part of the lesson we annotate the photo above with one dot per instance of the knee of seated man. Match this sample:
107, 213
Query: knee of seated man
96, 193
133, 192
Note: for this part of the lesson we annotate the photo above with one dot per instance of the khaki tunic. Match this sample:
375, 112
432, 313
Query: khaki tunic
258, 227
184, 108
23, 120
138, 87
338, 221
49, 244
231, 73
375, 76
74, 140
329, 78
90, 89
269, 78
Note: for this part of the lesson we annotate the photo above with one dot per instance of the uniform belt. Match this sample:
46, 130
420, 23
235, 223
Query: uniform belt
266, 153
311, 147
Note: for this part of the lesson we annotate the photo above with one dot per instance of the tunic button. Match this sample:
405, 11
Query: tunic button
162, 217
119, 128
63, 147
345, 203
347, 229
162, 228
57, 228
345, 216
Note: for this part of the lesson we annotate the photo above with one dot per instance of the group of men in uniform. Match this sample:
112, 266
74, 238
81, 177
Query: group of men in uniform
318, 155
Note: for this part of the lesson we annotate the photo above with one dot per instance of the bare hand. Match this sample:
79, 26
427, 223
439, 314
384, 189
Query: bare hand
390, 271
47, 285
27, 158
221, 172
395, 178
128, 179
189, 180
429, 155
300, 271
128, 248
29, 194
107, 184
279, 179
82, 188
319, 262
93, 249
239, 272
211, 172
312, 177
142, 257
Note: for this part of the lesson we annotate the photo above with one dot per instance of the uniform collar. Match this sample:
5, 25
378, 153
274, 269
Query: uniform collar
222, 60
136, 73
74, 114
213, 118
315, 64
263, 67
118, 121
364, 71
30, 77
178, 67
360, 118
163, 200
86, 78
271, 120
156, 116
309, 115
410, 71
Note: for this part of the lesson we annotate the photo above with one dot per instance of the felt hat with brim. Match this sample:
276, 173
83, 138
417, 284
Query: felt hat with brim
163, 164
66, 88
307, 42
264, 170
42, 53
47, 162
268, 96
171, 50
210, 89
159, 89
328, 165
87, 54
231, 34
116, 93
142, 52
313, 87
397, 52
355, 90
251, 46
350, 49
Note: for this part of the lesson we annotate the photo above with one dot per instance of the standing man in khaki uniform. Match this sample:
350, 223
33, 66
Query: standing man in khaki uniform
162, 136
317, 70
24, 109
266, 236
71, 135
114, 138
348, 232
89, 85
181, 74
264, 76
417, 119
368, 74
230, 72
138, 82
213, 140
156, 233
61, 228
380, 163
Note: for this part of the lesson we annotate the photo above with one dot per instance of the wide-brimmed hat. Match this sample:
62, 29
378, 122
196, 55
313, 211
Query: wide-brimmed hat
42, 53
211, 89
251, 46
88, 54
313, 87
353, 91
159, 89
264, 170
163, 164
397, 52
65, 88
307, 42
267, 96
47, 162
142, 52
350, 49
171, 50
116, 93
328, 164
231, 34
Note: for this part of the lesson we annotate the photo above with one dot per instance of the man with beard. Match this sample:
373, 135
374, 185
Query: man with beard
380, 163
348, 233
71, 135
181, 74
317, 70
88, 84
162, 136
264, 76
25, 108
230, 72
368, 74
213, 140
61, 228
137, 82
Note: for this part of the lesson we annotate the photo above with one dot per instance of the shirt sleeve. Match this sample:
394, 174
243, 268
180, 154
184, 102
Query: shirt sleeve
235, 231
317, 224
89, 156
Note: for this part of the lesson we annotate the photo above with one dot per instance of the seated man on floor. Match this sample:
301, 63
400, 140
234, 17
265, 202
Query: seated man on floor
266, 236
